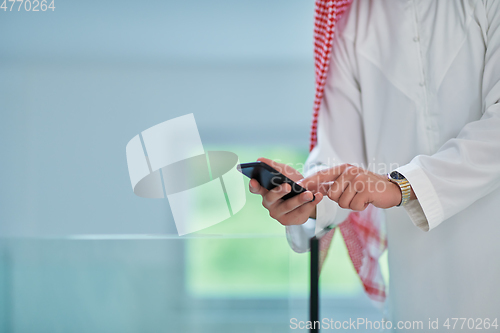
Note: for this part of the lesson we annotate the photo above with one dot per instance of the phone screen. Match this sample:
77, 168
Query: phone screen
269, 177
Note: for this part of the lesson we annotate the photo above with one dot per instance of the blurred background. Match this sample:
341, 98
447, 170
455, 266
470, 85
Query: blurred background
79, 251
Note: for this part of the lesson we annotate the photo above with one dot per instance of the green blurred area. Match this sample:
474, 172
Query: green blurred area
255, 259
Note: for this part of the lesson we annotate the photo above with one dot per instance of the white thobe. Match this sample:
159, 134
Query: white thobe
414, 85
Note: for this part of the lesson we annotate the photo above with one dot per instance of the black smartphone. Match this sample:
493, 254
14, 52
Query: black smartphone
269, 178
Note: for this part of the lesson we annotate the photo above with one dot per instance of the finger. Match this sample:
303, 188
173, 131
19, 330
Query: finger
339, 186
301, 213
359, 202
255, 187
278, 166
285, 169
314, 181
271, 197
289, 205
323, 188
347, 196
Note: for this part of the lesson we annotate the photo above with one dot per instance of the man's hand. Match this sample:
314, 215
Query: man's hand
293, 211
354, 188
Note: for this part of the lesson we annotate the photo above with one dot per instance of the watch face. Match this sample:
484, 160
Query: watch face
396, 175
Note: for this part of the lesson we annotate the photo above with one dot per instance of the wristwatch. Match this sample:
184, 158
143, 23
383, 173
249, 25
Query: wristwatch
403, 184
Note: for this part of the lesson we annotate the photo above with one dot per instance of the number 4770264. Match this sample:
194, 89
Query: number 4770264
29, 5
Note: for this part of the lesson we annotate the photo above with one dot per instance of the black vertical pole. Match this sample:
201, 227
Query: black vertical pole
314, 297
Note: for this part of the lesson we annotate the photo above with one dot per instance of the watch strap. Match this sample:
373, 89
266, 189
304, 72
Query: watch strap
404, 186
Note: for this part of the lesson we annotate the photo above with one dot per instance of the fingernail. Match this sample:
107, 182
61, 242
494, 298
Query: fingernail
308, 196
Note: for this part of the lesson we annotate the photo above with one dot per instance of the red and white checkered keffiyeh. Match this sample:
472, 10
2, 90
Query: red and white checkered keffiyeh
363, 232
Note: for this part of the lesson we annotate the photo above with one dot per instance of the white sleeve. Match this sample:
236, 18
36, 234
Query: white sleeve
339, 122
465, 168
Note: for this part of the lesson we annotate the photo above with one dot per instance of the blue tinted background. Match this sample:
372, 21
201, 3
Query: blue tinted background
76, 84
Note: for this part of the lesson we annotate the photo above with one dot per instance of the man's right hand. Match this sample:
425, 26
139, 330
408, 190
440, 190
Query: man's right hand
293, 211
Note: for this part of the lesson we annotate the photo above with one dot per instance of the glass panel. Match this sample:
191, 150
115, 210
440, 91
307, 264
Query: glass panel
140, 284
161, 284
342, 298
